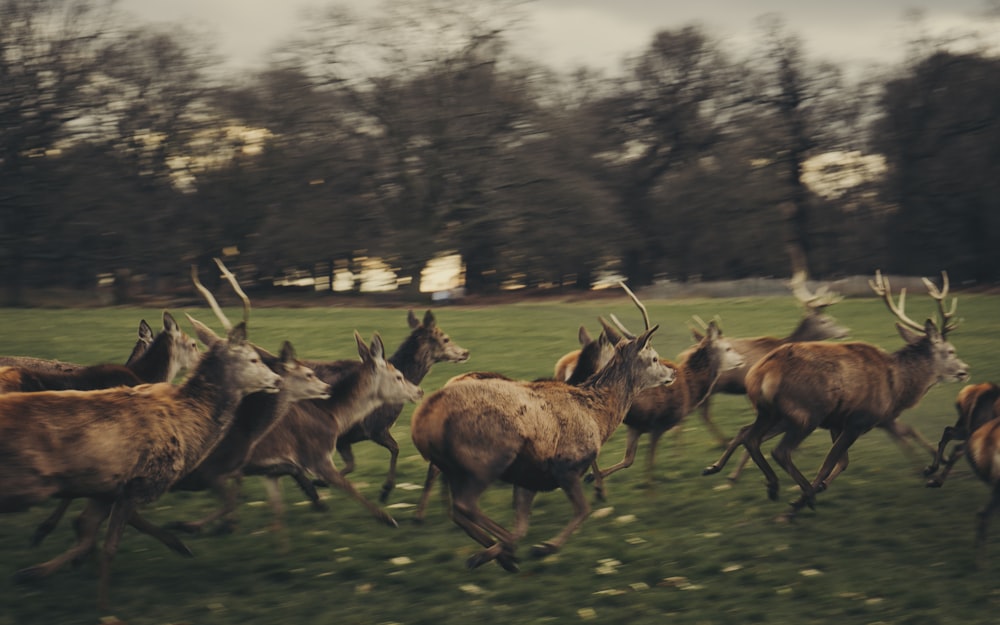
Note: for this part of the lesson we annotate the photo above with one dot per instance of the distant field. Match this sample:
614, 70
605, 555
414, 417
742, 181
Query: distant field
880, 548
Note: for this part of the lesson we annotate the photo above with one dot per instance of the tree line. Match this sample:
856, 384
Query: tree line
128, 151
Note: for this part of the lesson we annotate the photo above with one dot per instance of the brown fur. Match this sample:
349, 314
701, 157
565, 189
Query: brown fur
656, 410
975, 404
847, 388
129, 445
426, 345
538, 436
304, 439
983, 452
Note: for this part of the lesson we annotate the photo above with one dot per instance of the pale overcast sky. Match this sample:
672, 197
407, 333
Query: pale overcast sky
599, 33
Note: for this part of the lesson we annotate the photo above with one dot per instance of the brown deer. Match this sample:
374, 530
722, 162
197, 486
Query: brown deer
656, 410
983, 451
303, 441
158, 361
121, 447
586, 361
594, 350
537, 436
847, 388
815, 325
426, 345
976, 404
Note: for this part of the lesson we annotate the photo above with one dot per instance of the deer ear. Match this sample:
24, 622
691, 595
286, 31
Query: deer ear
205, 334
412, 320
169, 323
910, 336
146, 332
287, 352
610, 331
643, 339
363, 351
698, 336
429, 320
583, 336
238, 335
378, 348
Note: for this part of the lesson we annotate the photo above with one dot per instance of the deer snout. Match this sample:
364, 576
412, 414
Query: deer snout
668, 376
416, 394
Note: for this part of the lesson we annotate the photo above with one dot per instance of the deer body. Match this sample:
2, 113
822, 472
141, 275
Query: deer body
426, 345
656, 410
983, 451
120, 447
847, 388
303, 440
537, 436
976, 404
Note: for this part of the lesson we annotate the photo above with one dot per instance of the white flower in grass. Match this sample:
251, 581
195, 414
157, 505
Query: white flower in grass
471, 589
401, 561
625, 519
587, 613
732, 568
810, 572
600, 513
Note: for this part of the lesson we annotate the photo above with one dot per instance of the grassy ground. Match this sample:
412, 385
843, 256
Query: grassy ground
679, 547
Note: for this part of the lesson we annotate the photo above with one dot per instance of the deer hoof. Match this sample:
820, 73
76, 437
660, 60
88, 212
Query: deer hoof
930, 470
772, 492
543, 549
711, 469
508, 562
388, 520
29, 574
478, 559
934, 483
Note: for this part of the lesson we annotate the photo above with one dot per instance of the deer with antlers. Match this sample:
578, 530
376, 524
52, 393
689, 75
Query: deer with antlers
121, 447
815, 325
656, 410
537, 436
847, 388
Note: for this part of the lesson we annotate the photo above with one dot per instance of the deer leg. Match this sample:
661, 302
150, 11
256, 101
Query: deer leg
155, 531
425, 494
905, 430
344, 449
712, 428
120, 514
739, 439
597, 476
87, 525
574, 490
782, 454
654, 440
49, 524
229, 496
277, 501
467, 515
385, 439
329, 473
982, 523
957, 452
837, 456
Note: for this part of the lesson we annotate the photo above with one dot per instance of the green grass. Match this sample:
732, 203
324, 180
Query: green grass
880, 548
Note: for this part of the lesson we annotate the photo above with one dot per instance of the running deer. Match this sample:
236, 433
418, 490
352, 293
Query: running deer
170, 352
256, 415
976, 404
816, 325
303, 441
537, 436
426, 345
594, 354
983, 451
847, 388
121, 447
656, 410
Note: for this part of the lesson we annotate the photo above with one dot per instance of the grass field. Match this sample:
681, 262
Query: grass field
678, 548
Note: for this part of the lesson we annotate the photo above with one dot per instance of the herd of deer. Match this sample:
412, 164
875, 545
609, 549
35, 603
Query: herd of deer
123, 436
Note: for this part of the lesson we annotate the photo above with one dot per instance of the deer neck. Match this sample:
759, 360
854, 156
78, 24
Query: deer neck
698, 373
412, 359
612, 390
212, 410
911, 374
155, 364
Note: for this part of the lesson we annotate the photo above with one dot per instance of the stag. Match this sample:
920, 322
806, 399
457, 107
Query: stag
847, 388
537, 436
303, 441
121, 447
976, 404
426, 345
816, 325
656, 410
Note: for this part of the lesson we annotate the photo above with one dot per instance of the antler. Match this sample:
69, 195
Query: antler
948, 322
881, 287
822, 298
210, 299
645, 314
236, 287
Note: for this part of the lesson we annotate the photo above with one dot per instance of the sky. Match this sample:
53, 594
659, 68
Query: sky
600, 33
